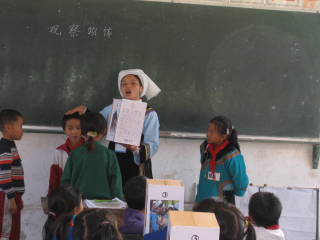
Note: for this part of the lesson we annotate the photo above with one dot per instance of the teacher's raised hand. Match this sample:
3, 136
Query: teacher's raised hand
78, 109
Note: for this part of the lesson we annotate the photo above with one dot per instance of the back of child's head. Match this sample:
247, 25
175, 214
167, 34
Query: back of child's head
61, 200
96, 224
206, 204
224, 126
65, 118
265, 209
135, 192
8, 116
92, 124
230, 219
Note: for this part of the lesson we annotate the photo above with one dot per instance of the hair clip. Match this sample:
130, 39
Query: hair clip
247, 223
51, 213
228, 131
92, 134
105, 222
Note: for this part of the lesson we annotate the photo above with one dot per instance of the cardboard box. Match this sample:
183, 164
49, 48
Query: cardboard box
161, 197
193, 226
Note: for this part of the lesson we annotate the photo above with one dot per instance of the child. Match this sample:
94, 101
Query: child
71, 127
135, 194
64, 199
135, 160
223, 171
230, 219
264, 212
11, 175
93, 168
154, 220
96, 224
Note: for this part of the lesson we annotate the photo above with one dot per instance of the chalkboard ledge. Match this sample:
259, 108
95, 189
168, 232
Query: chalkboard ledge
202, 136
186, 135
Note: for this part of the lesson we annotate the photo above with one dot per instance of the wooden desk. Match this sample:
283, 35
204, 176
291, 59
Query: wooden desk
44, 202
118, 212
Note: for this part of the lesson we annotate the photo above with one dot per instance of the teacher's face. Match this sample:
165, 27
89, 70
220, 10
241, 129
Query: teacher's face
131, 88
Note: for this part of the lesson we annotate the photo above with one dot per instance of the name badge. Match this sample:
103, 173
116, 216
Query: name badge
119, 148
216, 176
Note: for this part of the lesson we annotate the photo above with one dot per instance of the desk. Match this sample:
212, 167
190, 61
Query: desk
119, 212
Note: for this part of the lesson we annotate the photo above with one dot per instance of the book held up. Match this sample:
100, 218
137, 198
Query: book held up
126, 121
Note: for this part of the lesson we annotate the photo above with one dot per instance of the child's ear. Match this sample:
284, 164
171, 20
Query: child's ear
251, 220
104, 132
76, 210
224, 137
7, 127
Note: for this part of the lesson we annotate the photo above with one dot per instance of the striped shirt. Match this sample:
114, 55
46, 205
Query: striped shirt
11, 170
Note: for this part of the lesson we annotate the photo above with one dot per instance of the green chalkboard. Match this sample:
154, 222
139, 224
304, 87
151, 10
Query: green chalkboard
261, 68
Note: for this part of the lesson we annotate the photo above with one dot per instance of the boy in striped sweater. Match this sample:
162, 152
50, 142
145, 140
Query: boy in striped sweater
11, 175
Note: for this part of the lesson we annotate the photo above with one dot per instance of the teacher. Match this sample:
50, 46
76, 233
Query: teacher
135, 160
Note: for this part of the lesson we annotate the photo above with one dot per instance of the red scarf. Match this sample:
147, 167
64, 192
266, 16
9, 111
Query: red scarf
78, 144
274, 227
214, 152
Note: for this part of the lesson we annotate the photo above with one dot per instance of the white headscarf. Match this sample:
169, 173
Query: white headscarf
150, 89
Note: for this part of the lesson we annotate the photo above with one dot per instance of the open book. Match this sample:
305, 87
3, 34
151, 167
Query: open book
126, 121
115, 203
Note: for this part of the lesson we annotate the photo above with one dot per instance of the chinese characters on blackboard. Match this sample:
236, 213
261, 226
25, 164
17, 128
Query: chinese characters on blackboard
75, 29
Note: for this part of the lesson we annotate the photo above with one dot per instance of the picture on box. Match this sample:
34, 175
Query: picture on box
159, 213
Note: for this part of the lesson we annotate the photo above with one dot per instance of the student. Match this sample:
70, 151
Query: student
135, 194
96, 224
264, 212
223, 170
163, 218
93, 168
154, 221
11, 175
71, 127
135, 160
64, 199
230, 219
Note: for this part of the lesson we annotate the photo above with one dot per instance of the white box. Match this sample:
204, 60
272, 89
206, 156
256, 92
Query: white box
193, 226
161, 195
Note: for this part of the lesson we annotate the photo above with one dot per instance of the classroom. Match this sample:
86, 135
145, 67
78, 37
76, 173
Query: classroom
259, 67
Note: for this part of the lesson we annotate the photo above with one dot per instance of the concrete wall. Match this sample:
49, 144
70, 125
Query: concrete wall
279, 165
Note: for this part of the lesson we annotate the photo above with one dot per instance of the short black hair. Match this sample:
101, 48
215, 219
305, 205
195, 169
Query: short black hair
135, 192
8, 116
230, 219
65, 118
265, 209
206, 204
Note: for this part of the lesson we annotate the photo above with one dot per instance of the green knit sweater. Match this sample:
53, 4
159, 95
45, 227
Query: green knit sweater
97, 174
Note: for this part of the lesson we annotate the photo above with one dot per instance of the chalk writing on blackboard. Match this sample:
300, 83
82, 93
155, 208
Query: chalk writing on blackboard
73, 29
107, 32
92, 31
54, 30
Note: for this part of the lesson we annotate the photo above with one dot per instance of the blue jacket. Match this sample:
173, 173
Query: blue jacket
133, 221
232, 169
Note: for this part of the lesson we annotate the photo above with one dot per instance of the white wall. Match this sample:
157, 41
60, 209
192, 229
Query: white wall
279, 165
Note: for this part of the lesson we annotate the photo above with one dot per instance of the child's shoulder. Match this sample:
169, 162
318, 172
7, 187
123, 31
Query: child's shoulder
63, 147
228, 152
6, 145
